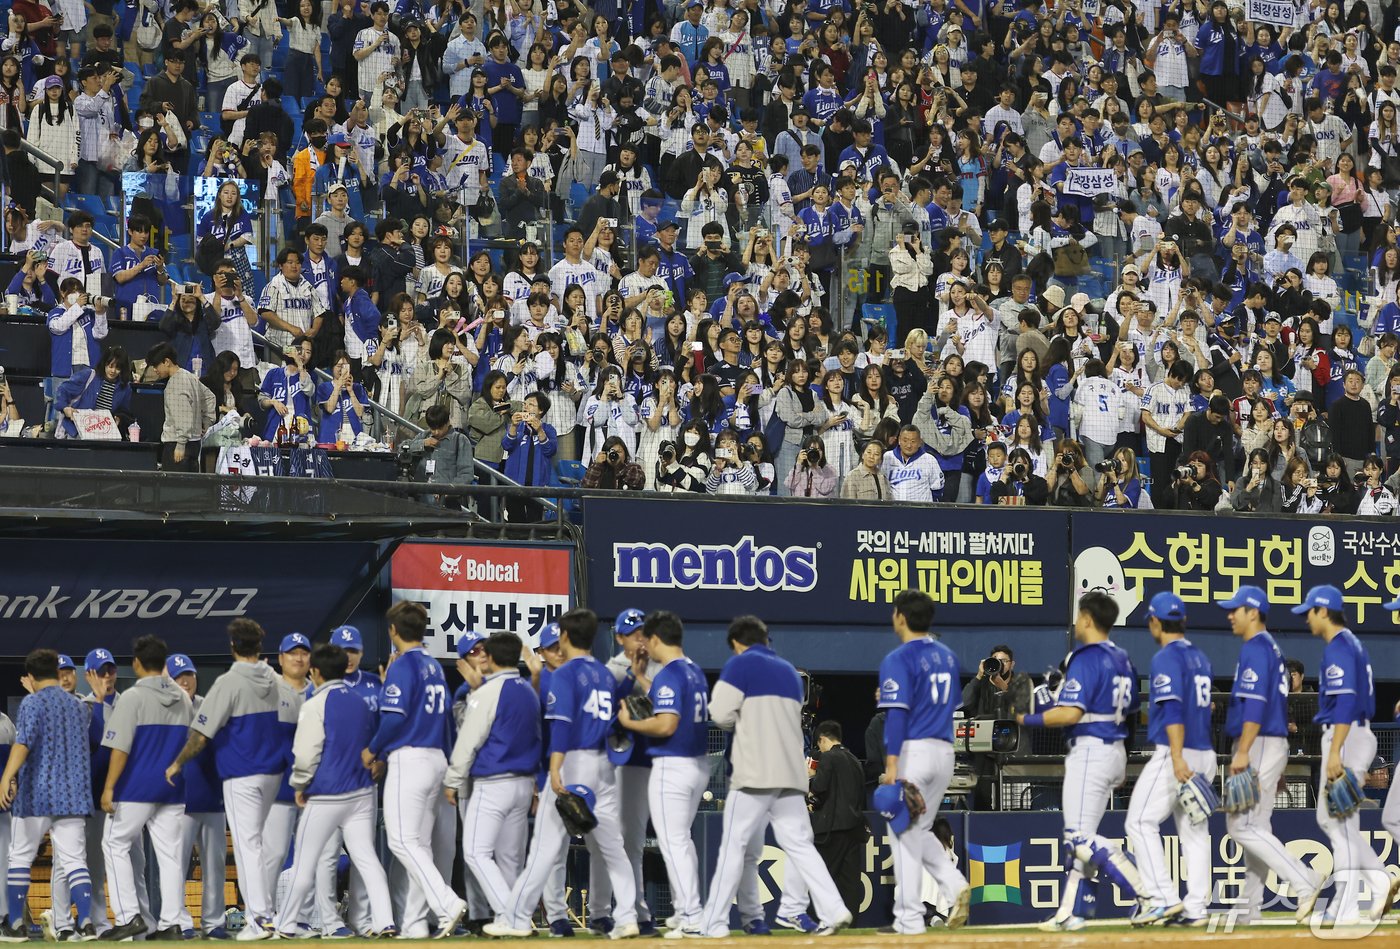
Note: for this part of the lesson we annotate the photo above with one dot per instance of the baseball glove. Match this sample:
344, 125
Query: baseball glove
578, 819
1197, 798
638, 706
914, 800
1241, 791
1344, 795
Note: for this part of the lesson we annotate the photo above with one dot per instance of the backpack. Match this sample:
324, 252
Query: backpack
1315, 441
1071, 260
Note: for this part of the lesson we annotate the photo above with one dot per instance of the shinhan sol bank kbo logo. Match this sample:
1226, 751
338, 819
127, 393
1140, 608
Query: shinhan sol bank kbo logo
740, 566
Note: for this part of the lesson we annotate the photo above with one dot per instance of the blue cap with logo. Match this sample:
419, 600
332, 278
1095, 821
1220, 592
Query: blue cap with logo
178, 664
97, 659
65, 661
469, 641
889, 801
294, 641
585, 792
1326, 596
549, 636
628, 621
1167, 606
1246, 596
347, 637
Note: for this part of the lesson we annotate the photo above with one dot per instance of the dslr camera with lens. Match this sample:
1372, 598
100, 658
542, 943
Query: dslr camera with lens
1018, 471
1106, 466
1067, 459
991, 666
1183, 472
614, 456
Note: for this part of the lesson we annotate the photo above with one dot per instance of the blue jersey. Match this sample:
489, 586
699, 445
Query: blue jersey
1100, 680
679, 689
580, 705
1180, 695
1261, 689
1347, 694
366, 685
415, 691
513, 744
54, 780
921, 677
339, 726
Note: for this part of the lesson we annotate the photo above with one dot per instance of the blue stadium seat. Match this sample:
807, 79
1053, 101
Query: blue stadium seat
570, 472
882, 313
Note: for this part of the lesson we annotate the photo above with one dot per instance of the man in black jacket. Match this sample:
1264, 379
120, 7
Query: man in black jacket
523, 197
391, 261
171, 86
1212, 432
21, 177
685, 168
601, 204
837, 792
267, 115
1193, 236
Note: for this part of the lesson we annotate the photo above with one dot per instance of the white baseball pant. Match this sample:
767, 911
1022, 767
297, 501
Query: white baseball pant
478, 904
5, 855
673, 795
1353, 860
207, 828
327, 895
748, 899
247, 803
277, 835
1093, 768
123, 834
352, 816
1153, 801
68, 835
412, 915
928, 764
556, 888
1390, 815
413, 806
633, 792
1253, 831
746, 810
593, 769
494, 825
62, 900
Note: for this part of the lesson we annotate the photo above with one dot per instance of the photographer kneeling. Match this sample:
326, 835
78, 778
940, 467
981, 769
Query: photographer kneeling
1194, 487
614, 469
1119, 482
1071, 479
1018, 483
441, 455
998, 691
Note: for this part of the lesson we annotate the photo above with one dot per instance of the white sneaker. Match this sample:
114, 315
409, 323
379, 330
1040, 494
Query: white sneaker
1069, 924
504, 931
683, 933
961, 907
1378, 911
46, 924
835, 926
1306, 903
625, 931
449, 923
254, 930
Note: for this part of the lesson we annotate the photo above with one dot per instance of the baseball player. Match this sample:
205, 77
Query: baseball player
145, 729
203, 817
294, 661
363, 683
412, 737
471, 665
633, 669
548, 658
336, 790
1097, 697
919, 688
579, 707
759, 697
7, 741
240, 716
1178, 726
47, 787
498, 749
1390, 816
55, 928
1346, 706
1257, 720
680, 770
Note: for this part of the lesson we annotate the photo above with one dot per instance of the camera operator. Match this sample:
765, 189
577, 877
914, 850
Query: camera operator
1019, 484
997, 691
441, 455
1193, 485
1071, 479
1256, 491
1337, 491
614, 469
812, 477
1119, 485
1211, 431
1376, 498
732, 473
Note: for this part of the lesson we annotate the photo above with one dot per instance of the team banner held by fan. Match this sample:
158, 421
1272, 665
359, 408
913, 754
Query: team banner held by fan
1276, 12
483, 588
1088, 182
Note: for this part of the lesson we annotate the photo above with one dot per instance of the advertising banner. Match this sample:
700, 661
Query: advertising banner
482, 587
710, 560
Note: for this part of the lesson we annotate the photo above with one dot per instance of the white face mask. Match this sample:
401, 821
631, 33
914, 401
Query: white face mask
71, 299
692, 439
147, 122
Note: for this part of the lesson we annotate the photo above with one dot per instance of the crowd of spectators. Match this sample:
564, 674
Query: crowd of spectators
1021, 253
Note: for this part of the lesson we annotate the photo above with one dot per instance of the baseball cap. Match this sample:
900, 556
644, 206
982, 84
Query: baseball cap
337, 138
549, 636
347, 637
583, 790
732, 278
695, 3
338, 186
1393, 605
1326, 596
889, 801
65, 661
666, 225
1272, 317
178, 664
620, 746
1246, 596
97, 659
998, 225
630, 619
294, 641
469, 641
799, 110
53, 82
1132, 268
1079, 301
1167, 606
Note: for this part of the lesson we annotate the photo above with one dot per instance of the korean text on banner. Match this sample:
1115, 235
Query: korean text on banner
1277, 12
1088, 182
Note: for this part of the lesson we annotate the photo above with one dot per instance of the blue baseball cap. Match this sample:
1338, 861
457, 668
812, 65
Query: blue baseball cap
469, 641
549, 636
347, 637
620, 745
1392, 606
294, 641
628, 621
1167, 606
1326, 596
585, 792
97, 659
65, 661
178, 664
889, 801
1246, 596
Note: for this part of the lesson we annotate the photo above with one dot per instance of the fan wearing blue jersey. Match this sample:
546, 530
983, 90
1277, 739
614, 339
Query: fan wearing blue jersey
412, 737
1179, 729
579, 709
680, 770
919, 691
1097, 699
1257, 720
1346, 704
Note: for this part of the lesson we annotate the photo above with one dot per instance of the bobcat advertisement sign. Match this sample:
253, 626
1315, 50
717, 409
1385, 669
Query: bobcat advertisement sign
485, 588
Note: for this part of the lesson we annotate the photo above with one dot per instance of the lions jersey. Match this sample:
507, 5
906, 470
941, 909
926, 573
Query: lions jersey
1180, 695
415, 687
1261, 689
1100, 680
679, 689
580, 704
921, 677
1347, 692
